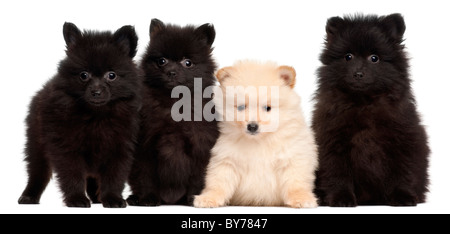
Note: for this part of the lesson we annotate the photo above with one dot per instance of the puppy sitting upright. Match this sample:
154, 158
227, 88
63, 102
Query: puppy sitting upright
373, 149
84, 122
172, 155
266, 154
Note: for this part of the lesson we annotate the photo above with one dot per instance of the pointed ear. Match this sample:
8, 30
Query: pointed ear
206, 32
71, 33
126, 38
224, 73
394, 26
287, 74
333, 26
156, 26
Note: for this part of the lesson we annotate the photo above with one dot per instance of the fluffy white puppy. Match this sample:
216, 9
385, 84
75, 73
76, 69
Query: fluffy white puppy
266, 154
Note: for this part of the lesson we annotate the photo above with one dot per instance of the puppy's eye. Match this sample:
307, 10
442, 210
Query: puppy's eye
267, 108
241, 107
374, 58
84, 76
162, 62
111, 76
187, 63
348, 57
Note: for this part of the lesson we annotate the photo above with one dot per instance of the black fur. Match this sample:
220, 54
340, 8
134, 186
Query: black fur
83, 124
372, 148
172, 156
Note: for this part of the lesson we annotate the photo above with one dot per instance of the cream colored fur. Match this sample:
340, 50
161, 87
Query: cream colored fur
269, 168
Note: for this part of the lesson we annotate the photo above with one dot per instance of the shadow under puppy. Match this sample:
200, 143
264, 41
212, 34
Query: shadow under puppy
266, 154
173, 154
83, 123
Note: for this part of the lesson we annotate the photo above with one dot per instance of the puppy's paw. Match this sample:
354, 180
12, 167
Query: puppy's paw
133, 200
208, 201
28, 200
403, 198
78, 201
149, 200
301, 199
113, 202
341, 198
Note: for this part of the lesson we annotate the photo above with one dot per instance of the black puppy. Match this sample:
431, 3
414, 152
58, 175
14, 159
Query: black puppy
372, 148
172, 155
83, 124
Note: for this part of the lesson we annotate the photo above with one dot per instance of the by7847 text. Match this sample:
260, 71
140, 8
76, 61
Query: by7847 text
245, 223
229, 224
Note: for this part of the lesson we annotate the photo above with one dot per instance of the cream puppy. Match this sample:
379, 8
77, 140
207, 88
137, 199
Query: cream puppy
266, 154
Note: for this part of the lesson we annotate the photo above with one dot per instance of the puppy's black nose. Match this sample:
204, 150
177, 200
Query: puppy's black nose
96, 93
171, 74
358, 75
252, 127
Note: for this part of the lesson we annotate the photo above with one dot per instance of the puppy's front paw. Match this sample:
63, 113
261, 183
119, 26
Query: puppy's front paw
301, 199
208, 201
113, 202
403, 198
341, 198
78, 201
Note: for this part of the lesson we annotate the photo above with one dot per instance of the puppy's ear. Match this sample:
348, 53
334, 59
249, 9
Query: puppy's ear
394, 26
206, 32
333, 26
126, 38
71, 34
223, 73
287, 74
156, 26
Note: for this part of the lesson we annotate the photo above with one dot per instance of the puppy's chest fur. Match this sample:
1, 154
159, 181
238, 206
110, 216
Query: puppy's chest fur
96, 136
260, 172
369, 132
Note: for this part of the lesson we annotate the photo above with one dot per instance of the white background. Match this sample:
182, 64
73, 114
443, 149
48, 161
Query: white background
288, 32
